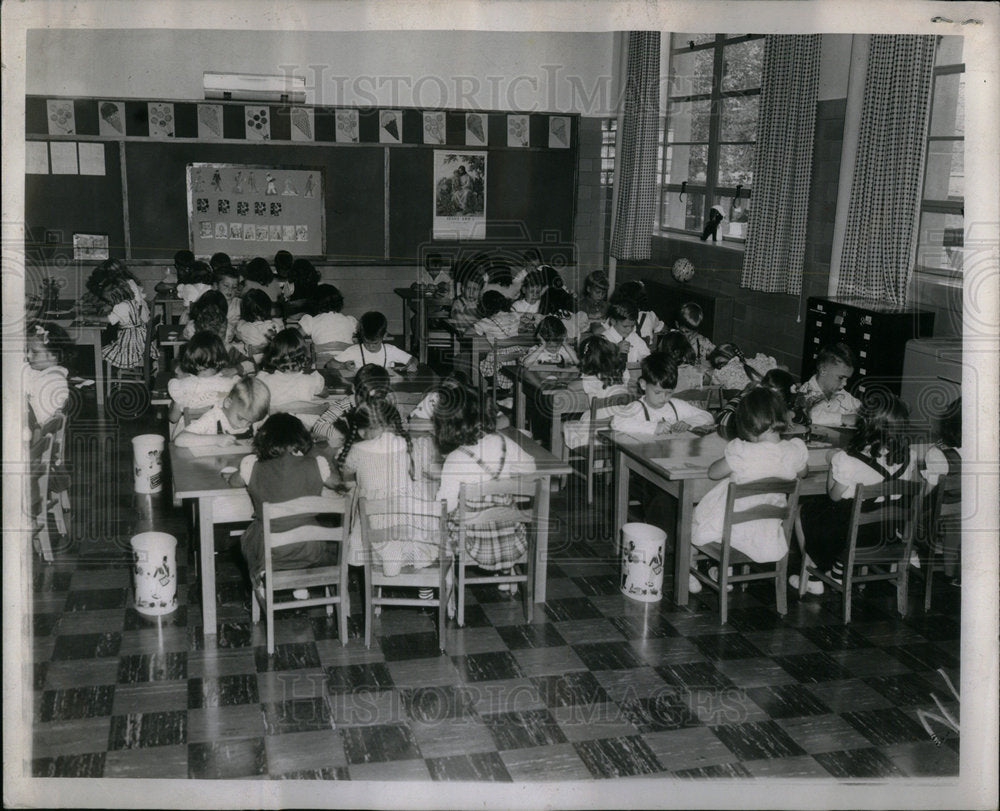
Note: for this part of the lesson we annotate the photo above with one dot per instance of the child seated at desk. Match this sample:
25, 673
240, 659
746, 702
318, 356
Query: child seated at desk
689, 318
633, 294
371, 347
49, 349
498, 324
656, 412
676, 345
257, 275
559, 302
828, 402
195, 280
530, 297
227, 282
731, 369
246, 404
285, 370
210, 308
778, 381
621, 332
465, 309
204, 377
333, 425
602, 375
757, 452
256, 326
327, 324
436, 277
594, 301
552, 347
281, 469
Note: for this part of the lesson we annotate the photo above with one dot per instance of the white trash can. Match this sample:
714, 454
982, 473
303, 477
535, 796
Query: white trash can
155, 569
147, 463
643, 549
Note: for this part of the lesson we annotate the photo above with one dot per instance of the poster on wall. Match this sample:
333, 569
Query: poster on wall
248, 211
459, 195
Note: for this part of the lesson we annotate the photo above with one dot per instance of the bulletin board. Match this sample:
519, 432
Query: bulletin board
252, 210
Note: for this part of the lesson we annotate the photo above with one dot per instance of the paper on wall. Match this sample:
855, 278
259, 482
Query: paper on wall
91, 159
63, 157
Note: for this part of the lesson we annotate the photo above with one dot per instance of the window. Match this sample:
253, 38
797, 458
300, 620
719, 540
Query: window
609, 131
940, 245
709, 131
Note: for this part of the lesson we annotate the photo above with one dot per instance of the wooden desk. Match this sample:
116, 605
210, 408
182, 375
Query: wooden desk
678, 465
198, 478
88, 332
169, 306
543, 393
421, 303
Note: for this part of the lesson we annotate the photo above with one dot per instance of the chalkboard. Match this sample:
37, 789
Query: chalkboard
56, 206
353, 193
370, 217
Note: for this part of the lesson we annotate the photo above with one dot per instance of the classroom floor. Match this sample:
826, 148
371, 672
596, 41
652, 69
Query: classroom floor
597, 686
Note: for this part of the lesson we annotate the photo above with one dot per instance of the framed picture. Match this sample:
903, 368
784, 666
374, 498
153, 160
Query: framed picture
91, 246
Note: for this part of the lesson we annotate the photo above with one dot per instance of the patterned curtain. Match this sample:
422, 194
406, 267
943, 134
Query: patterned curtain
639, 125
879, 243
782, 166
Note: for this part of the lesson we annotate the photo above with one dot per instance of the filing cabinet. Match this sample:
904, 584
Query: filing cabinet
877, 334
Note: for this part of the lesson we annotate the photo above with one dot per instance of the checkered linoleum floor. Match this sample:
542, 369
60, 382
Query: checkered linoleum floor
597, 686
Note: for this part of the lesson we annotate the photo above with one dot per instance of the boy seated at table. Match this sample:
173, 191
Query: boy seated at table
552, 348
827, 401
656, 412
223, 424
371, 347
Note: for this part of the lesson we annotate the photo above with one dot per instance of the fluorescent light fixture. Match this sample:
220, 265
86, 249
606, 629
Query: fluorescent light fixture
255, 87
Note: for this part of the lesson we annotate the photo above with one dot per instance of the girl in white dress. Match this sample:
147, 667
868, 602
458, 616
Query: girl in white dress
757, 453
286, 370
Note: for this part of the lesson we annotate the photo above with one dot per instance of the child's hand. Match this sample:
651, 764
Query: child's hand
623, 345
662, 427
679, 426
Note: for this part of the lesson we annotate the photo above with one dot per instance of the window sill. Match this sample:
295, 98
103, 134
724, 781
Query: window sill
939, 278
727, 243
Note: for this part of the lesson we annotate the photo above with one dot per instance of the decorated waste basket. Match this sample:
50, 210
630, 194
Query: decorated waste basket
643, 549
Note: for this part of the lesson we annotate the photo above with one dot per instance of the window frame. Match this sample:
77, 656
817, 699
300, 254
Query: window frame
932, 205
711, 188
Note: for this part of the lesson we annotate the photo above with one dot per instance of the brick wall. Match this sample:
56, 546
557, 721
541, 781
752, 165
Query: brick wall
765, 322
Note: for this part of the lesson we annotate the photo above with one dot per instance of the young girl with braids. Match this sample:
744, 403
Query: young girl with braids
334, 425
381, 460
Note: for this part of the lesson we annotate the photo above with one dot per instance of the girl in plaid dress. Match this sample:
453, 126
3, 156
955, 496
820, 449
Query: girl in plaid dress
118, 289
475, 453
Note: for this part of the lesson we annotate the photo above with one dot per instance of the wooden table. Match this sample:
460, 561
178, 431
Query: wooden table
420, 303
409, 387
542, 392
198, 479
678, 465
88, 332
169, 306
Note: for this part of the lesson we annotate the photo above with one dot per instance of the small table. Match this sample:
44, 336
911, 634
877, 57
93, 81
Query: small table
198, 478
420, 302
88, 332
678, 464
542, 390
169, 306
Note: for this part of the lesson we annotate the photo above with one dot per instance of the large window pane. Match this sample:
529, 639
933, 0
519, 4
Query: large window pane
940, 245
949, 51
948, 113
742, 65
688, 120
686, 214
736, 165
691, 73
739, 118
944, 175
686, 162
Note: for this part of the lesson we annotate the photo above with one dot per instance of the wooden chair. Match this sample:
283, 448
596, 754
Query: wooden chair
597, 459
332, 576
944, 524
505, 352
517, 487
40, 454
432, 577
724, 556
890, 561
141, 374
57, 496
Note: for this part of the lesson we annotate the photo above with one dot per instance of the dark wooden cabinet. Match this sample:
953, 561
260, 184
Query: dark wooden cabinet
876, 333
